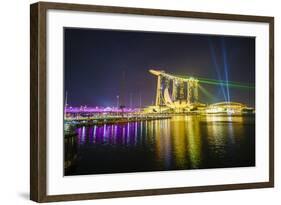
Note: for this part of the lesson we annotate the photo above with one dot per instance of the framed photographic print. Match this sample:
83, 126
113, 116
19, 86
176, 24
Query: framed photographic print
134, 102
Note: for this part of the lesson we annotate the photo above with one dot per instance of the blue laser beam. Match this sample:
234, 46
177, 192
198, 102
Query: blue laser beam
214, 59
225, 65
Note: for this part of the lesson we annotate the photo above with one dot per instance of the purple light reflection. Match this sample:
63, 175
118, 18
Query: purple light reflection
125, 134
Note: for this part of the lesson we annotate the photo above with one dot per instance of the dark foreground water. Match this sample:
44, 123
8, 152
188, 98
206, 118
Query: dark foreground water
182, 142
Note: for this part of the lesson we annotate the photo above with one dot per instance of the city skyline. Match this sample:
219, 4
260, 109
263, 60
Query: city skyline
192, 96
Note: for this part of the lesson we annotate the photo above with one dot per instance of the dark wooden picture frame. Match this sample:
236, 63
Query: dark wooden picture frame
38, 102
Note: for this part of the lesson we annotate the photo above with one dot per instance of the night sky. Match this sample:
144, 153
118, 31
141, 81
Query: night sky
101, 64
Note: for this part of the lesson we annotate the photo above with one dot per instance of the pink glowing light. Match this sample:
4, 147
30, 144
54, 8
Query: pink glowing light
84, 109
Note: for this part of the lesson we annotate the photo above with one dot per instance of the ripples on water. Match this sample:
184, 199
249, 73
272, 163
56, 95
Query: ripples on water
182, 142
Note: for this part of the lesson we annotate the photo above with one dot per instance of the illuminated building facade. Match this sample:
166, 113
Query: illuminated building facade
174, 92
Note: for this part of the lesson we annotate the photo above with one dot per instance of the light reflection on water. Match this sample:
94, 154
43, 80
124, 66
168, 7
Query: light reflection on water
182, 142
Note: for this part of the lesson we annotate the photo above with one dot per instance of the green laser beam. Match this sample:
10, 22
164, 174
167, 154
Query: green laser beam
221, 82
207, 93
229, 84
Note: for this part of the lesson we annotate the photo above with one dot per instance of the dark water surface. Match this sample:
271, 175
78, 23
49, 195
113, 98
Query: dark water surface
182, 142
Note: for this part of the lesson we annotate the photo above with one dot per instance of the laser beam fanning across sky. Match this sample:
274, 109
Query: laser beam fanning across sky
225, 65
220, 82
214, 60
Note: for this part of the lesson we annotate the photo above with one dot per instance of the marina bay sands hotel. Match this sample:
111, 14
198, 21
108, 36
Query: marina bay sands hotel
177, 94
